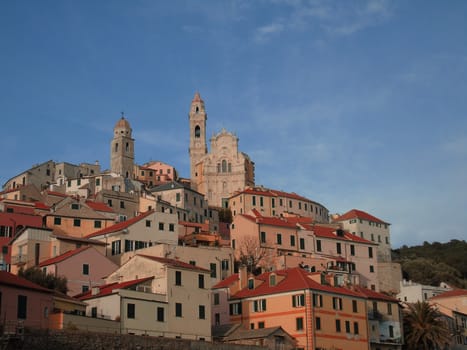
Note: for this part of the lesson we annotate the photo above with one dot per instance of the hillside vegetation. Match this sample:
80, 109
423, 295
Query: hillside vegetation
432, 263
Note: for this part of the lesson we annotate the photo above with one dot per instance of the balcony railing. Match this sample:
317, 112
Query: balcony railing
19, 259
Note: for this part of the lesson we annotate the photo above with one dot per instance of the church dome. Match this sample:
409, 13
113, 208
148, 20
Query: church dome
122, 127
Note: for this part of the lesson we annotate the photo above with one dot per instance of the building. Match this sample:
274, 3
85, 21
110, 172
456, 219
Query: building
283, 242
23, 303
318, 316
40, 175
157, 297
222, 171
142, 231
84, 268
411, 292
276, 203
369, 227
155, 173
122, 150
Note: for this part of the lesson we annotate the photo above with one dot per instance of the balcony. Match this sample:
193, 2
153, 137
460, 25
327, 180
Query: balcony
19, 259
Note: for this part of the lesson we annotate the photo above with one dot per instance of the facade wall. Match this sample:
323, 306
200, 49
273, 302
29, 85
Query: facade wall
38, 306
155, 173
269, 204
24, 252
72, 268
385, 323
69, 225
125, 205
40, 175
412, 292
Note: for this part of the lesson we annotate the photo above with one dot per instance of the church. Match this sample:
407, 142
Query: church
216, 174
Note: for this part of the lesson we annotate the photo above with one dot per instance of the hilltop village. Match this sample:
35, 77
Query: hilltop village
214, 257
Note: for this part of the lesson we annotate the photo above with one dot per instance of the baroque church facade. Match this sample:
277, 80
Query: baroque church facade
224, 169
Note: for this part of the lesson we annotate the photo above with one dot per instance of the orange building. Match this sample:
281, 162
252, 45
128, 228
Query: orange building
318, 315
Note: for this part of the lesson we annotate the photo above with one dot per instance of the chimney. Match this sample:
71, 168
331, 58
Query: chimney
242, 277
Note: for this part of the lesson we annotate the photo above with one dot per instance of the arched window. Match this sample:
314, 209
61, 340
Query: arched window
224, 166
197, 109
116, 147
197, 131
127, 147
127, 175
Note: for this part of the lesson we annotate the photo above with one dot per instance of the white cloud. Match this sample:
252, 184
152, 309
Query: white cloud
264, 32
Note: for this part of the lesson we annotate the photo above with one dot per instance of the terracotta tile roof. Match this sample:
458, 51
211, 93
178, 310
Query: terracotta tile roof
226, 282
40, 205
16, 281
174, 263
371, 294
63, 256
59, 234
268, 220
120, 225
330, 232
294, 279
58, 194
451, 294
359, 214
99, 206
108, 289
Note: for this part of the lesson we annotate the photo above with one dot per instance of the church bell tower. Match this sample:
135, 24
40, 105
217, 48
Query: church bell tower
198, 148
122, 150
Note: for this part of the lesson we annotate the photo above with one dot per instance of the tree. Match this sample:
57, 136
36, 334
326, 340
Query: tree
43, 279
424, 329
250, 253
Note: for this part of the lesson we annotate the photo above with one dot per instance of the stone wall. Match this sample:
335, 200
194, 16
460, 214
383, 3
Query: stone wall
73, 340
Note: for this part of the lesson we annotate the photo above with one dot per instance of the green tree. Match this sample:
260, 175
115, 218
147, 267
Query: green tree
424, 329
43, 279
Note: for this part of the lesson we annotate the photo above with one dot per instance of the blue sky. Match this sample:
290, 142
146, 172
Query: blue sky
354, 104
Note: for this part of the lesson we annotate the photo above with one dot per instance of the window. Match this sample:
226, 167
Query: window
177, 197
302, 243
98, 182
370, 252
338, 326
251, 283
128, 245
57, 221
171, 227
273, 203
148, 223
292, 241
225, 265
354, 306
97, 224
355, 327
76, 222
272, 279
318, 245
259, 305
262, 237
178, 278
84, 288
94, 312
299, 323
337, 303
317, 300
235, 309
338, 248
352, 250
213, 268
74, 206
22, 307
178, 310
116, 247
122, 205
260, 324
318, 323
391, 331
130, 311
201, 281
389, 309
372, 268
85, 269
279, 238
160, 314
298, 300
109, 202
216, 299
347, 326
253, 200
201, 312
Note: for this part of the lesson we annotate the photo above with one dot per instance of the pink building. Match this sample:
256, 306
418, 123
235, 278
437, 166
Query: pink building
23, 303
84, 268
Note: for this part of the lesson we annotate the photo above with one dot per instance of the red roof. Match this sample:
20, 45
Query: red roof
268, 220
330, 232
451, 294
63, 257
227, 282
110, 288
120, 225
174, 263
259, 191
371, 294
294, 279
99, 206
58, 194
359, 214
40, 205
16, 281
